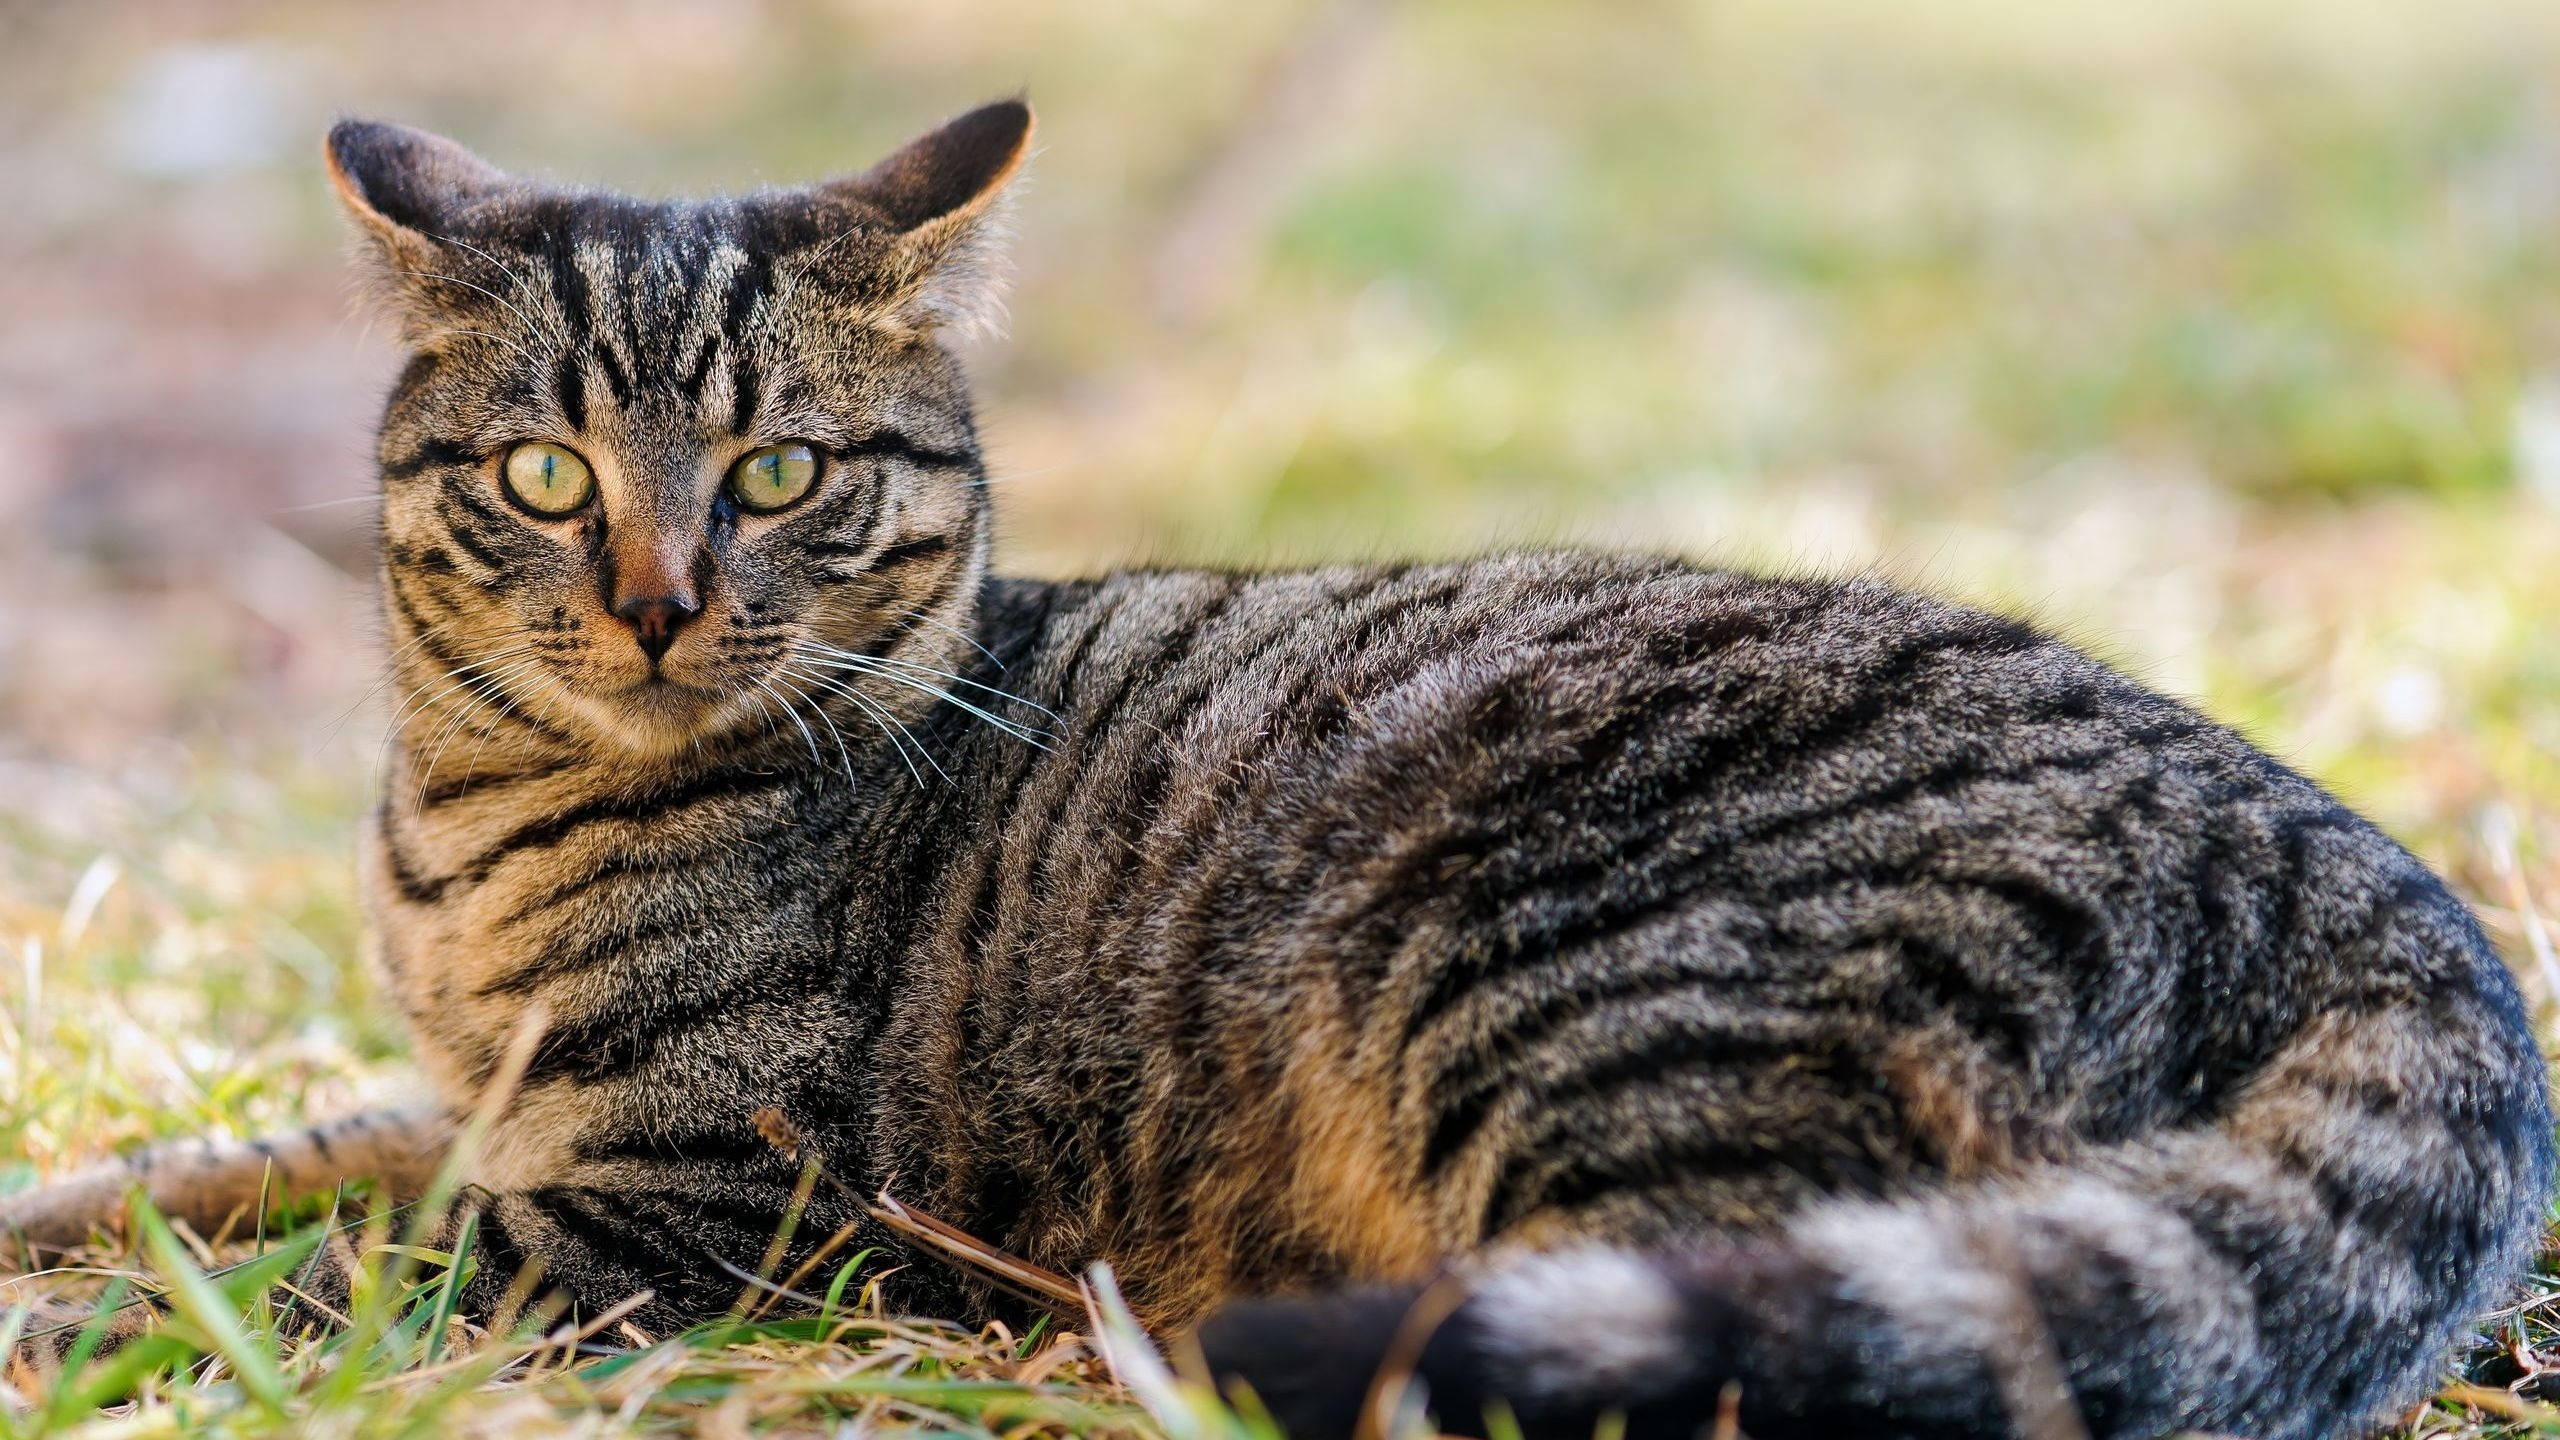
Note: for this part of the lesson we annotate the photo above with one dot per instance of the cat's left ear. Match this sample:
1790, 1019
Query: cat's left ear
941, 199
411, 192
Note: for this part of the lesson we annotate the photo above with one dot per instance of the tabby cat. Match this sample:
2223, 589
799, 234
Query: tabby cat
1618, 983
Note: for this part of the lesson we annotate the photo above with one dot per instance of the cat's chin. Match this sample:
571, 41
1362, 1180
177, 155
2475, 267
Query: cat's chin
658, 716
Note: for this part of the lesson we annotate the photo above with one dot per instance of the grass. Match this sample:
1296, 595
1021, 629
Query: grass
2223, 336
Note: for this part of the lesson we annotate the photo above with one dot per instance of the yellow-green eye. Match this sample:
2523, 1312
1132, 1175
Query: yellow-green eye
547, 479
774, 476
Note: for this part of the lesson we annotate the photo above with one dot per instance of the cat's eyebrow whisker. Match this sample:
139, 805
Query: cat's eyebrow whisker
532, 324
529, 356
522, 282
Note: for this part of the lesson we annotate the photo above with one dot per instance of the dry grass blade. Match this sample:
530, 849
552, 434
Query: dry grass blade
940, 1239
1393, 1382
2026, 1365
2506, 1405
1728, 1424
1021, 1278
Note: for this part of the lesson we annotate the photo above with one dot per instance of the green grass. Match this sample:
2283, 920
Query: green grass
2204, 331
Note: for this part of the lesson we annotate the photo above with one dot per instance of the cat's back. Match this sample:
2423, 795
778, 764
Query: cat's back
1455, 827
1561, 743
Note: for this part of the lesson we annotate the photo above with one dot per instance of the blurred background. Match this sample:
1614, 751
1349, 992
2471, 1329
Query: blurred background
2222, 334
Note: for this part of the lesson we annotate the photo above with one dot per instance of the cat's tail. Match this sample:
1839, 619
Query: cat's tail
2289, 1269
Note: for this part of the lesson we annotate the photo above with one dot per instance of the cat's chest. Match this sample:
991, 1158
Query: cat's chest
607, 922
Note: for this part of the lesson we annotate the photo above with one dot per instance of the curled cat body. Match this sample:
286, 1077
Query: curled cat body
1687, 982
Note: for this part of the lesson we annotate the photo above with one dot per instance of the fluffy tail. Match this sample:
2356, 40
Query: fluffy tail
2290, 1269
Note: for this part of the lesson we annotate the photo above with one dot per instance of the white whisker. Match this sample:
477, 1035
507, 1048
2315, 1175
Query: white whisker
1036, 738
886, 663
897, 735
530, 323
491, 679
842, 755
921, 618
794, 715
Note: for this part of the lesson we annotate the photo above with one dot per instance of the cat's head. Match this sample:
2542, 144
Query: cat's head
656, 468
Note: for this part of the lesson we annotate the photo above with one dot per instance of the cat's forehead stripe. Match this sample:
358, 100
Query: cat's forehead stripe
664, 307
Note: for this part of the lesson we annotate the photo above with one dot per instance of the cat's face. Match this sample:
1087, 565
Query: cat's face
657, 471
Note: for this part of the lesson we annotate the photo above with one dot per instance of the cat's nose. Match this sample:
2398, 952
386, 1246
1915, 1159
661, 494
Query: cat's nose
655, 619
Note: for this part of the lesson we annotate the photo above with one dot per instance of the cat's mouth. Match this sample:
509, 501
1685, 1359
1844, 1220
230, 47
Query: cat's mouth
657, 713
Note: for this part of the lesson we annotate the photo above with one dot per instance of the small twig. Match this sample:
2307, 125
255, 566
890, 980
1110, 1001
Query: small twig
1023, 1279
946, 1242
2027, 1368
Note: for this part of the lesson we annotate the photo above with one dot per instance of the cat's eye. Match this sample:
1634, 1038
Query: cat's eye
547, 479
774, 476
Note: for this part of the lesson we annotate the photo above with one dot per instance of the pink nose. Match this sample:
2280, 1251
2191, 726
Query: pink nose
655, 619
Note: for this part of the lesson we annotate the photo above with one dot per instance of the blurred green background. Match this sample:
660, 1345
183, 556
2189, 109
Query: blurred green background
2224, 336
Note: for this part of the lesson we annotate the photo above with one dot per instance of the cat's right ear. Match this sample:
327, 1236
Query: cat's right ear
409, 190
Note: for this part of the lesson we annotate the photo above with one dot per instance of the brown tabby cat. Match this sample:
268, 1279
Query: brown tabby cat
1797, 984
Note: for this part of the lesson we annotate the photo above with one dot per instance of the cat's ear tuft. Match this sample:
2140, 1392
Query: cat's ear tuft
941, 198
409, 190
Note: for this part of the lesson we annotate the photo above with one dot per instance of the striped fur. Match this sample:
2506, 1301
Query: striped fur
1715, 978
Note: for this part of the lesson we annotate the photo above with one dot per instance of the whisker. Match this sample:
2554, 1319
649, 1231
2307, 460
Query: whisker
492, 680
418, 703
928, 671
537, 667
843, 755
390, 672
504, 268
897, 735
530, 323
501, 339
545, 676
794, 715
920, 618
1035, 738
459, 674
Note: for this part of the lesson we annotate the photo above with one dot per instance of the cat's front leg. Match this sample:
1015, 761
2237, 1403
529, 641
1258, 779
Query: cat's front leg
681, 1244
219, 1185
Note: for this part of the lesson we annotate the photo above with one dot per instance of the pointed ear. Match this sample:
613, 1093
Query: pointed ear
940, 197
949, 174
409, 190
